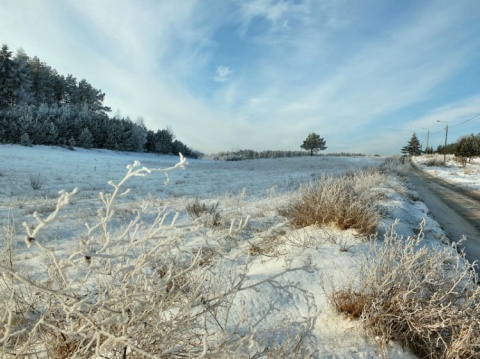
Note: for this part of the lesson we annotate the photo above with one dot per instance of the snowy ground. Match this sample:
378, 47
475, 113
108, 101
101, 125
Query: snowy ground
253, 189
452, 170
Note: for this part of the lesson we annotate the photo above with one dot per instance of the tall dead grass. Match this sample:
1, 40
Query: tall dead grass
423, 297
345, 202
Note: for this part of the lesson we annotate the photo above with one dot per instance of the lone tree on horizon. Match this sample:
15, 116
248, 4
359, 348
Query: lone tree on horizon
313, 144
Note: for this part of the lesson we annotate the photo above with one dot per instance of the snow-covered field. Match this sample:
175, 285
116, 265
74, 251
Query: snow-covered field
249, 194
452, 170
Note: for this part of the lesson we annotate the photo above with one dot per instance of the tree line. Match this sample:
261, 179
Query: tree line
40, 106
465, 148
240, 155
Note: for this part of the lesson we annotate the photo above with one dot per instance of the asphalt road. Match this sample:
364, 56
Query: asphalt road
456, 209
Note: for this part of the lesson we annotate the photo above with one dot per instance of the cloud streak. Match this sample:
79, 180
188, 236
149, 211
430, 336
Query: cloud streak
222, 74
356, 73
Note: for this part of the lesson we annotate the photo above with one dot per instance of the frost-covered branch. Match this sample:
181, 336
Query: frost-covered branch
140, 290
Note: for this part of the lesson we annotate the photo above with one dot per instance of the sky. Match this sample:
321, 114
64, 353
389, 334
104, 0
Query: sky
263, 74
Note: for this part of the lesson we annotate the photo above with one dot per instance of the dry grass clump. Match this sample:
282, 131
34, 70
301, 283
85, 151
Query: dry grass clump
60, 345
346, 202
434, 161
349, 302
269, 244
36, 182
425, 298
210, 214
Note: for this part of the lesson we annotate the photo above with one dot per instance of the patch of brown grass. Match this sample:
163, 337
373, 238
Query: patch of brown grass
425, 298
349, 302
346, 202
210, 214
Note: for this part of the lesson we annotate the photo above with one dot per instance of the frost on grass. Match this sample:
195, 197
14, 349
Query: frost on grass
426, 298
138, 290
345, 202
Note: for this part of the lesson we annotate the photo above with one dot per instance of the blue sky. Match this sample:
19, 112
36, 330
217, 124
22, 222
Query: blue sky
263, 74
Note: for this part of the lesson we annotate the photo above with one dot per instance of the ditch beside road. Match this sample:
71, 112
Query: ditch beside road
456, 209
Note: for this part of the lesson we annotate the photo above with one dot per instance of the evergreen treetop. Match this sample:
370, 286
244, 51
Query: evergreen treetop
413, 148
313, 143
42, 107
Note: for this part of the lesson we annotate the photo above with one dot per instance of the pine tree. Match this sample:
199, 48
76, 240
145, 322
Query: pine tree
38, 102
179, 147
313, 143
71, 90
87, 94
71, 144
413, 148
114, 136
58, 88
467, 148
23, 79
50, 133
42, 82
85, 139
25, 140
7, 82
164, 141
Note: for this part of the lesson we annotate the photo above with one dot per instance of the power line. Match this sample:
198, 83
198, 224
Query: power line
461, 123
470, 119
433, 133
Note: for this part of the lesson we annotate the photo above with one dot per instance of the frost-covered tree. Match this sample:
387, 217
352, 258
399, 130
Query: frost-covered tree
58, 88
160, 141
71, 90
313, 143
114, 136
65, 122
413, 148
85, 139
179, 147
25, 122
51, 108
134, 135
7, 78
71, 144
42, 81
47, 134
467, 148
25, 140
87, 94
23, 79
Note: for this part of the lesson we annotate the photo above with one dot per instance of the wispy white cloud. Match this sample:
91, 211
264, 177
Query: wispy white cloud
353, 72
459, 115
222, 74
399, 69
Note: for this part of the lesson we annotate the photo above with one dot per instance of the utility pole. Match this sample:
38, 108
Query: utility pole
445, 147
428, 135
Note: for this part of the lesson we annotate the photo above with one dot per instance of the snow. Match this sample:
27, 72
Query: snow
452, 171
246, 191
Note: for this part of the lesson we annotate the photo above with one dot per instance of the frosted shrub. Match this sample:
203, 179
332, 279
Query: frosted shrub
7, 235
25, 140
434, 161
36, 182
425, 298
139, 291
346, 202
209, 214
